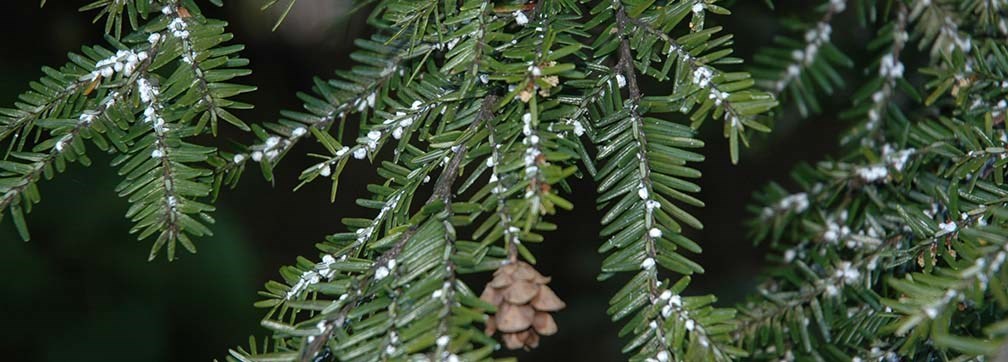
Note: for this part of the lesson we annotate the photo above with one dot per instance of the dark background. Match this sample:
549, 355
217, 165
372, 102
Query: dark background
82, 289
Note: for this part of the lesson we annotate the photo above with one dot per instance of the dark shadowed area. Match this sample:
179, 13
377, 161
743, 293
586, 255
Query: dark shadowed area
82, 289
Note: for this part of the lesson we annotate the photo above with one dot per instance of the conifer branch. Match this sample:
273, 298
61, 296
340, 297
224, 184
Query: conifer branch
890, 71
809, 52
718, 88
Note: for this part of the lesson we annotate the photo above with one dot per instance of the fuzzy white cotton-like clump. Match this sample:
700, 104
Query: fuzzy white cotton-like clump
846, 272
620, 80
789, 255
838, 5
665, 295
718, 96
896, 159
662, 356
257, 156
698, 7
675, 300
238, 158
146, 90
154, 38
443, 341
360, 153
536, 71
397, 133
642, 192
178, 28
87, 117
948, 227
157, 153
702, 76
796, 202
123, 61
648, 264
579, 129
872, 173
451, 43
835, 232
831, 290
878, 97
655, 233
793, 70
520, 17
325, 170
381, 273
798, 55
298, 132
374, 135
890, 67
652, 205
61, 144
690, 324
666, 311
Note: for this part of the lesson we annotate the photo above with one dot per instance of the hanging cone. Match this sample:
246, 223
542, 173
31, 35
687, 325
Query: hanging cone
523, 304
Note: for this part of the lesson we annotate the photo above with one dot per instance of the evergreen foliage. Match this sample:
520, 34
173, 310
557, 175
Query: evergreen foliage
475, 114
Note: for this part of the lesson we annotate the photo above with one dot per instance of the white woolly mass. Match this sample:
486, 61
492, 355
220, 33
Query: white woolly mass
815, 38
642, 192
896, 159
789, 255
890, 67
652, 204
87, 117
360, 153
179, 28
835, 232
381, 273
655, 233
520, 17
123, 61
873, 173
847, 273
948, 227
443, 341
796, 202
718, 96
579, 129
648, 264
702, 76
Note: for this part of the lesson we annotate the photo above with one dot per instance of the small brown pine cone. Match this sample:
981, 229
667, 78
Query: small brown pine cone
523, 304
